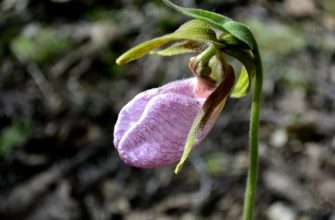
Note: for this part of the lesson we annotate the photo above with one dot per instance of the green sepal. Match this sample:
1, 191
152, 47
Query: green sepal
223, 23
181, 48
194, 30
194, 131
190, 140
213, 105
243, 85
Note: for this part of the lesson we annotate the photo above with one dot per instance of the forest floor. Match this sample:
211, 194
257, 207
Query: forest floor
60, 93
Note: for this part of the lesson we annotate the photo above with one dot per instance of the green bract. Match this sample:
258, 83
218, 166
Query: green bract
225, 24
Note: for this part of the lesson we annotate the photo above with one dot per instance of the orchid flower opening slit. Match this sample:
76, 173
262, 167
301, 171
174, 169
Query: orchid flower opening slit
144, 134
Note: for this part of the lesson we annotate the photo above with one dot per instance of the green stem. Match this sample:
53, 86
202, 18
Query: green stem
253, 151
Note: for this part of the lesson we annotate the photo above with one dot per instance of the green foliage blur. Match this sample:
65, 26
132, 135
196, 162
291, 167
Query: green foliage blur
14, 135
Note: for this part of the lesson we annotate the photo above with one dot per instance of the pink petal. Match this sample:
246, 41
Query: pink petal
132, 111
152, 128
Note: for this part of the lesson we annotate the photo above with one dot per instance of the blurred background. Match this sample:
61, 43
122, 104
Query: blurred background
60, 93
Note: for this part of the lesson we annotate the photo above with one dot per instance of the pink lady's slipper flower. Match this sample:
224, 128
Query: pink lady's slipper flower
161, 126
152, 129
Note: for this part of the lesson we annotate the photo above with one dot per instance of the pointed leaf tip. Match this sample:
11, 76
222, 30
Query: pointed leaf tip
119, 61
190, 140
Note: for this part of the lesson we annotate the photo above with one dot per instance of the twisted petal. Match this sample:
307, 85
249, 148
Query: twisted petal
152, 128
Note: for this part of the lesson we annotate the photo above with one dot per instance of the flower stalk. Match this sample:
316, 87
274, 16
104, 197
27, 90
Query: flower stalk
253, 142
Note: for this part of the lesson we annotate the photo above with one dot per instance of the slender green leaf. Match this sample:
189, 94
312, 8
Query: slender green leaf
193, 30
223, 23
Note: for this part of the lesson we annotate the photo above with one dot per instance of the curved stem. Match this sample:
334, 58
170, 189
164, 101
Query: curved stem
253, 141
